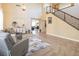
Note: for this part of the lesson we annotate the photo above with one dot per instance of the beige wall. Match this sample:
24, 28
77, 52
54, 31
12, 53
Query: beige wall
42, 25
61, 29
14, 13
43, 18
64, 5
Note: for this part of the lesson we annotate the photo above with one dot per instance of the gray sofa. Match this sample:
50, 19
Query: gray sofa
9, 48
20, 48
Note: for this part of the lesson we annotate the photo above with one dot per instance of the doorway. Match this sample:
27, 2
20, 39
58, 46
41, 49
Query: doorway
35, 26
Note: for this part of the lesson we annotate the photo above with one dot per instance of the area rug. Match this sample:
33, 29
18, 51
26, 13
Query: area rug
36, 44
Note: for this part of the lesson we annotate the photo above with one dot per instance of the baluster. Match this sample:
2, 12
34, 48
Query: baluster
64, 17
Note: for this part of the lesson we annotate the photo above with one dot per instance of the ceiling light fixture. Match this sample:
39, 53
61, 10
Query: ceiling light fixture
23, 7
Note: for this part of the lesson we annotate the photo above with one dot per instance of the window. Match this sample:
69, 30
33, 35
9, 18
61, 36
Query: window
1, 19
46, 7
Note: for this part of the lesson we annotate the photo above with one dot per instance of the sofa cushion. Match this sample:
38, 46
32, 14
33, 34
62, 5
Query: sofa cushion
20, 48
9, 42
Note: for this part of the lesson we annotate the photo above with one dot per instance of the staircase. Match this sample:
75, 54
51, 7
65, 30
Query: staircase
69, 19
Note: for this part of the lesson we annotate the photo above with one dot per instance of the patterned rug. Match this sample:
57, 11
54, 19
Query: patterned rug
36, 44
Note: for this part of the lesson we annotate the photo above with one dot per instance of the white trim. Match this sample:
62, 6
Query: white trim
63, 37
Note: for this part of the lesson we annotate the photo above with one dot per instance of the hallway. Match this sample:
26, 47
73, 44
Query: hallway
58, 46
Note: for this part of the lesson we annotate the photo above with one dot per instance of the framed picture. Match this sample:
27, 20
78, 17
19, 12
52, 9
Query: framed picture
49, 20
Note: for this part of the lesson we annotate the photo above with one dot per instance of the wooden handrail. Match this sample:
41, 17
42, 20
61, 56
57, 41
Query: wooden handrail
68, 14
65, 18
64, 13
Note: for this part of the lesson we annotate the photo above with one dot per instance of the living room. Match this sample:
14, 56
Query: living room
54, 36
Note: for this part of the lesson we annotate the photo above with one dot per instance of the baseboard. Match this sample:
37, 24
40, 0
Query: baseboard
63, 37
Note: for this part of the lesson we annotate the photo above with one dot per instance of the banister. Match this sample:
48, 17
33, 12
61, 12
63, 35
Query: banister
68, 14
64, 17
